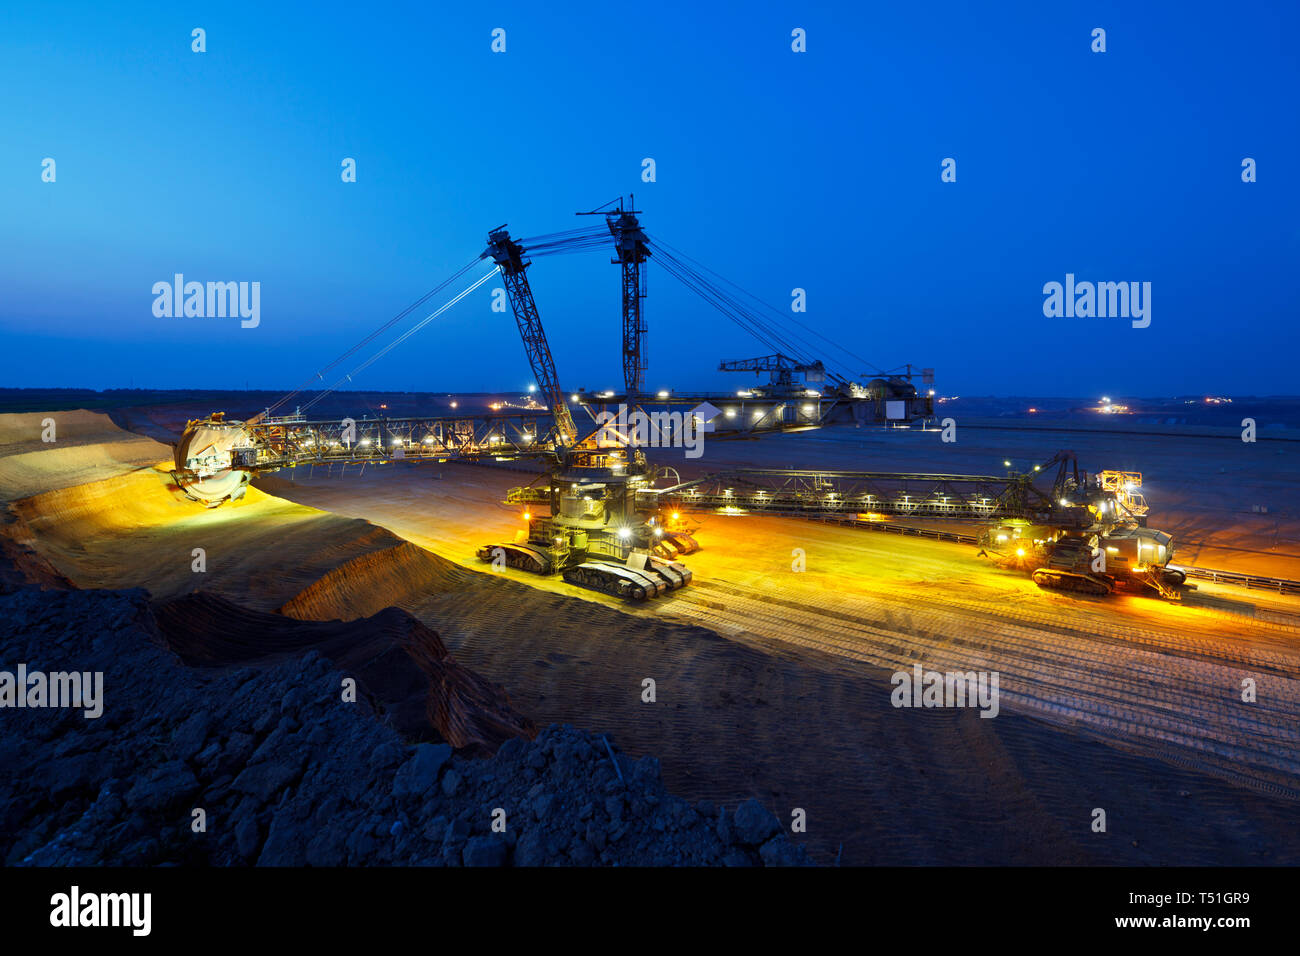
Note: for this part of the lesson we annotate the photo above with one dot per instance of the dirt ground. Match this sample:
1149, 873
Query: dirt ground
776, 684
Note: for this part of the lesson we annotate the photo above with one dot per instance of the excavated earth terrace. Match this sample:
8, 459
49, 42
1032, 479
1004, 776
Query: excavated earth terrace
768, 682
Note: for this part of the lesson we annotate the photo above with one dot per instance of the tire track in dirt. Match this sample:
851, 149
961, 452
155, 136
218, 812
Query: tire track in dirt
1149, 695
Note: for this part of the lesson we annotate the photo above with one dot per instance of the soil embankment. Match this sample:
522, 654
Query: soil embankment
402, 665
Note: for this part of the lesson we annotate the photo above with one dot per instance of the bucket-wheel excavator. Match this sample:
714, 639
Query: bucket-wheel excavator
601, 516
1103, 545
594, 534
1085, 533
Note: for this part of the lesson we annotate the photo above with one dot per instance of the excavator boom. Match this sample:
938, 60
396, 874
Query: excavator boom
509, 257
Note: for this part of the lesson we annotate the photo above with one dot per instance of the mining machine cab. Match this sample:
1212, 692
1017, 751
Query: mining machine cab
1092, 538
592, 532
1093, 560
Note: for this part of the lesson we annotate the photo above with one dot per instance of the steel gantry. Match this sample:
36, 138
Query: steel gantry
289, 441
800, 493
631, 249
509, 257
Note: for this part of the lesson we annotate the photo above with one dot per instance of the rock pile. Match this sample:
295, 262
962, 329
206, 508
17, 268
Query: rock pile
401, 666
267, 765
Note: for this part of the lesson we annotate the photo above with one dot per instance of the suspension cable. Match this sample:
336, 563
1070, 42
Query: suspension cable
378, 332
786, 339
775, 311
403, 337
748, 319
692, 282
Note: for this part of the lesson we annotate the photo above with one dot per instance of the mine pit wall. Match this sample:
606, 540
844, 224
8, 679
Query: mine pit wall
138, 530
367, 584
135, 529
83, 447
403, 666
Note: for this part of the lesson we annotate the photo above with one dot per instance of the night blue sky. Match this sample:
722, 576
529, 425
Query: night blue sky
779, 170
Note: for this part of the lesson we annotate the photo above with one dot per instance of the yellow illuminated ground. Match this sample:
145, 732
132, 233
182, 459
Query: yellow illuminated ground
1132, 670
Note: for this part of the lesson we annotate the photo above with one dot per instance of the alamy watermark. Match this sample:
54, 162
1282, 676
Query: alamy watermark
212, 300
922, 688
74, 909
1103, 300
660, 429
56, 689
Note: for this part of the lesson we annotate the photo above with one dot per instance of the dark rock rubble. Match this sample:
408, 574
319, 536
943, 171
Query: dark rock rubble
286, 773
